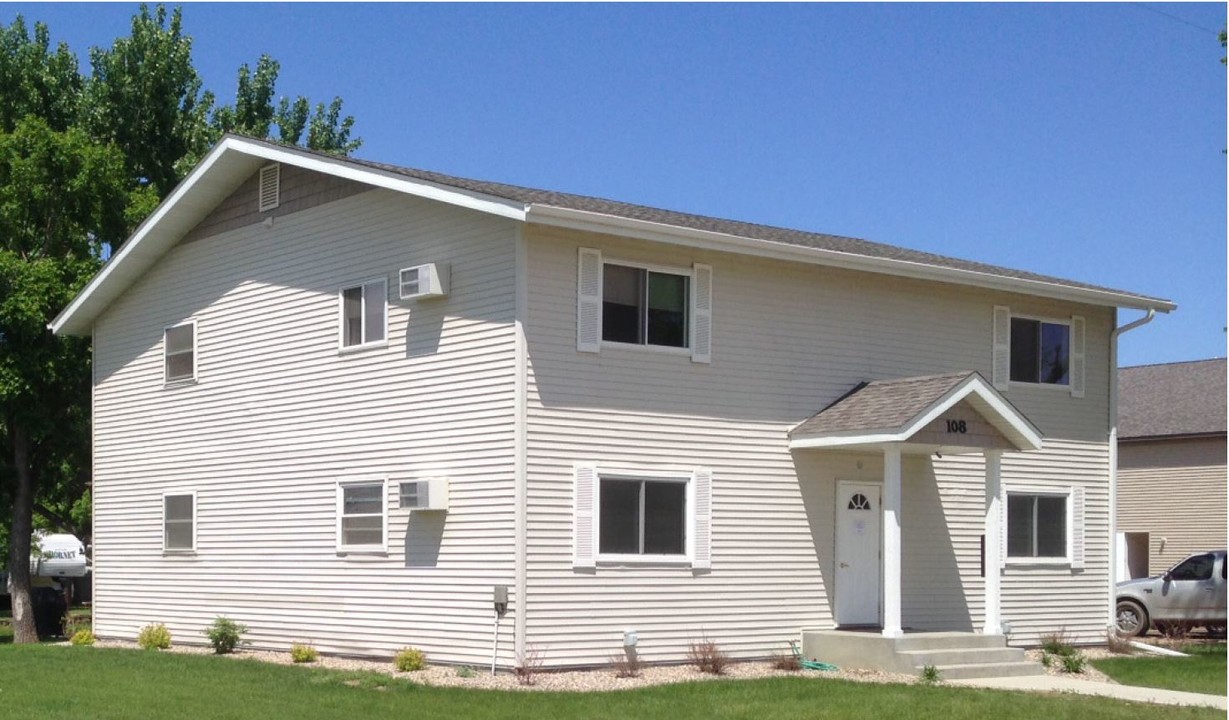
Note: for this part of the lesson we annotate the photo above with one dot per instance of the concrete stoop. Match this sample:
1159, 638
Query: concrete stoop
956, 655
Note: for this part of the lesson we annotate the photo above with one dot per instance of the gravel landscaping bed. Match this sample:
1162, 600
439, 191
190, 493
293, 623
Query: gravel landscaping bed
1090, 672
572, 681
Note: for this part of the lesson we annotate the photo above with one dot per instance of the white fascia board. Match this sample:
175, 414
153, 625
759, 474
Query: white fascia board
709, 240
835, 441
74, 319
340, 167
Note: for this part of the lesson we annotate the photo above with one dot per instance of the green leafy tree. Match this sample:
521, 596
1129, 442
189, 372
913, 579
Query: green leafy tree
61, 194
82, 161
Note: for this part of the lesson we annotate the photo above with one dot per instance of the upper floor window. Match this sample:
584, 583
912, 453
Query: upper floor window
644, 307
364, 313
1040, 351
179, 352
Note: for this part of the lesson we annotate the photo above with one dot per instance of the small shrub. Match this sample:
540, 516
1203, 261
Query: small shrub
1117, 644
303, 653
82, 637
626, 664
225, 635
707, 657
531, 663
931, 675
410, 660
466, 672
788, 662
1046, 659
1073, 663
154, 637
1057, 643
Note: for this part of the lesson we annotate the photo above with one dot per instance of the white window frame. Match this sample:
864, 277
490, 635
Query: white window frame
166, 355
688, 273
685, 478
354, 482
1064, 387
178, 551
1069, 528
342, 347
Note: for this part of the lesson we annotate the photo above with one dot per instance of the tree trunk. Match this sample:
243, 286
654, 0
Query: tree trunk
19, 540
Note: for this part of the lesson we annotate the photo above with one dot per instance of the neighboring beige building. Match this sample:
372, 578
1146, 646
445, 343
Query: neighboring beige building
1171, 464
345, 402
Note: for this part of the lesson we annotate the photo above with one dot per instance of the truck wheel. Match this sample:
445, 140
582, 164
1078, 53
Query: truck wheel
1130, 619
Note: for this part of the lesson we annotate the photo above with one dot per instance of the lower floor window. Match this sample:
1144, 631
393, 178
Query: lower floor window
642, 516
1036, 526
361, 515
179, 521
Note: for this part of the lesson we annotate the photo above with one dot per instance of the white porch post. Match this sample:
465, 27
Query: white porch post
994, 546
891, 541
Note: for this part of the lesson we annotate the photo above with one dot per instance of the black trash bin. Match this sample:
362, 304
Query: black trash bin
49, 611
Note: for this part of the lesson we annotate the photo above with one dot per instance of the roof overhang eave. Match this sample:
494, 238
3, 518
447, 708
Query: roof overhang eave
708, 239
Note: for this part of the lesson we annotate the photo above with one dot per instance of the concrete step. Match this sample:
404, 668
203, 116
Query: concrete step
962, 656
945, 641
989, 670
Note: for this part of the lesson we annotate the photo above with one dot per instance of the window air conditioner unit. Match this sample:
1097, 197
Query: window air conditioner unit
424, 281
429, 494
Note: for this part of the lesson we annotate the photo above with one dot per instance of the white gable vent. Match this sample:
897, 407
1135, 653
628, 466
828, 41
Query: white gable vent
429, 494
270, 186
422, 281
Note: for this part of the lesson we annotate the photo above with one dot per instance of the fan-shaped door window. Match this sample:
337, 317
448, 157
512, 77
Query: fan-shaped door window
859, 502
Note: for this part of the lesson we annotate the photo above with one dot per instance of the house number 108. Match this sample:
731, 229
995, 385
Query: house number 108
957, 426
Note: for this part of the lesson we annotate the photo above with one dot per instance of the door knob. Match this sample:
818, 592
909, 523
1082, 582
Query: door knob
844, 565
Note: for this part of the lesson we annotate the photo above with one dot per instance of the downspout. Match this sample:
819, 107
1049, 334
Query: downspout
1112, 590
521, 451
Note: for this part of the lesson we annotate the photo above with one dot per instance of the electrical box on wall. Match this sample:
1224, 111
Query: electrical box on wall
423, 281
430, 494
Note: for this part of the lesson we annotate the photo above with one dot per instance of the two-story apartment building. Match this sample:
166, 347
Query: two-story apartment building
344, 402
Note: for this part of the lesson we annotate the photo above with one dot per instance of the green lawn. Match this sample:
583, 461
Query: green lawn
42, 681
1202, 673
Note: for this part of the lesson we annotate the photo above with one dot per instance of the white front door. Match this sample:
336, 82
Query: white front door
858, 539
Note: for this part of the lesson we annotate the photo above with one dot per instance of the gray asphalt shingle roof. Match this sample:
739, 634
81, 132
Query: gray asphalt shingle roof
1186, 398
883, 405
820, 241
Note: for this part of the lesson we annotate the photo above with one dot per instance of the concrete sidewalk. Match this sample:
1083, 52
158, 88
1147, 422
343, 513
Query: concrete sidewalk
1050, 683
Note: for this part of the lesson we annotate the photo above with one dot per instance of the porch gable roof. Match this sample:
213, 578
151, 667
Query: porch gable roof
887, 411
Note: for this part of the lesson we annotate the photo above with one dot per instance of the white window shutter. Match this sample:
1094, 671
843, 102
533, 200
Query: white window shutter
1077, 356
702, 519
270, 186
589, 301
1003, 527
702, 313
1077, 528
1002, 347
584, 529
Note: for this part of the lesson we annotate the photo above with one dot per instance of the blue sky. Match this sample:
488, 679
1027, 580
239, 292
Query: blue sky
1077, 140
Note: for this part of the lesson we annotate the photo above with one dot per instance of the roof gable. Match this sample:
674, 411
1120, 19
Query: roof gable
1173, 399
235, 158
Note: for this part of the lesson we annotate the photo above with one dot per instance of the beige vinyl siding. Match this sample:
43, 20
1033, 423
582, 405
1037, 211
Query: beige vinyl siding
279, 415
788, 339
1173, 490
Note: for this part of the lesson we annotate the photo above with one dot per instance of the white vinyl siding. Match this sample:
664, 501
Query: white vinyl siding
179, 522
179, 353
830, 329
283, 418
